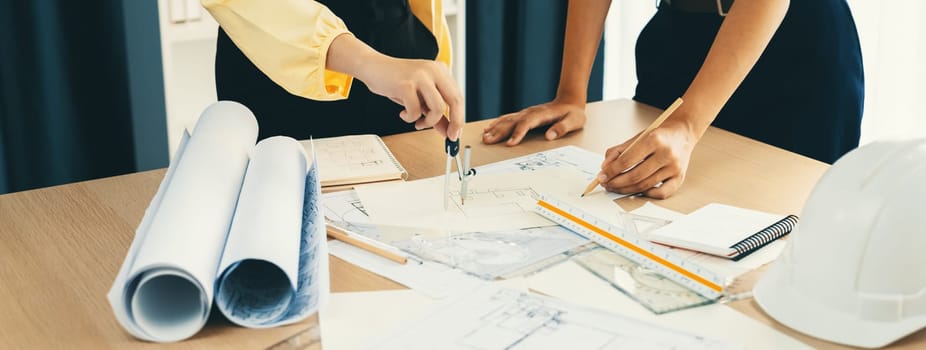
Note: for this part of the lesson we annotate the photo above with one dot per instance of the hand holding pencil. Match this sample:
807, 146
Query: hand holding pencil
654, 162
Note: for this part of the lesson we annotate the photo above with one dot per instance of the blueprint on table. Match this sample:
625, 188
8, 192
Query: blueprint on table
497, 318
487, 254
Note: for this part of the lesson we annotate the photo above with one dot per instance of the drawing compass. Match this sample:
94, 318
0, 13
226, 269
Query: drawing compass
464, 172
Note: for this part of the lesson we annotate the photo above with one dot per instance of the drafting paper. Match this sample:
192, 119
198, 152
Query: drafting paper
182, 234
275, 266
501, 201
498, 318
487, 255
572, 157
432, 279
350, 320
268, 218
266, 280
572, 283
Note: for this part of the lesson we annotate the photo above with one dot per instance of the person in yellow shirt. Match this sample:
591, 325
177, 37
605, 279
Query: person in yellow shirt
293, 63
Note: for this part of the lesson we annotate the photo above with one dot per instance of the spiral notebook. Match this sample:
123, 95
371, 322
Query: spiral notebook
345, 161
724, 230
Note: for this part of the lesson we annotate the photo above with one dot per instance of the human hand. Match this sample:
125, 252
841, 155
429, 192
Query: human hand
661, 157
425, 88
565, 117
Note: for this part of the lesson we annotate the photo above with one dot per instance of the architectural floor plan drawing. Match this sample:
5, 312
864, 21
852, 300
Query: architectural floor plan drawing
495, 318
573, 157
491, 202
484, 254
493, 255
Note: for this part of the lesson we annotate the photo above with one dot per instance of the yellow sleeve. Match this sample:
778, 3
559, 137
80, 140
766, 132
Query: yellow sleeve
288, 41
431, 14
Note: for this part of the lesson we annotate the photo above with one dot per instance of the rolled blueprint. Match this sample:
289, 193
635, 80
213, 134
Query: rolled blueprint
164, 290
229, 215
266, 278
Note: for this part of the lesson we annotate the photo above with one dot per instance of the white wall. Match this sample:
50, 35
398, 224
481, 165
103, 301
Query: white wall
625, 21
893, 40
188, 35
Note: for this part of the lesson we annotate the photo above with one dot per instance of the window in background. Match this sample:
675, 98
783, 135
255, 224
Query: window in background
893, 40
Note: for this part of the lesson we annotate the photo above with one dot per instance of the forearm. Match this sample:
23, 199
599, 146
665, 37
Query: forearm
743, 36
584, 25
349, 55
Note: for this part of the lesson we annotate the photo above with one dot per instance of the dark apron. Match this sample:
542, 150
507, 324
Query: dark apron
805, 93
386, 25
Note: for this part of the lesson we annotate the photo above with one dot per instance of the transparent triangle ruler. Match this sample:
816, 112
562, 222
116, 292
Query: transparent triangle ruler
634, 247
649, 288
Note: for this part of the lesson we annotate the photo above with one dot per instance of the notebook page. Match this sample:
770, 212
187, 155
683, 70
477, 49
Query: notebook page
355, 159
717, 226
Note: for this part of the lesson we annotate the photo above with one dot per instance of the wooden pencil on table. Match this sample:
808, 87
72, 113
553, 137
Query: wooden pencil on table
656, 123
341, 235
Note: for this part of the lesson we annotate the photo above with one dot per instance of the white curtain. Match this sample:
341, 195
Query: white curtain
893, 39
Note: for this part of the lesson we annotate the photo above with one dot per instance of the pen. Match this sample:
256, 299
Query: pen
343, 236
656, 123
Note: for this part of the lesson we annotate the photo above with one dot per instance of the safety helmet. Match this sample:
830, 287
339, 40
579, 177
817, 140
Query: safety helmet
854, 270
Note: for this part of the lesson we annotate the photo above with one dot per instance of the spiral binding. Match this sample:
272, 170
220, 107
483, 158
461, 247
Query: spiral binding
393, 158
771, 233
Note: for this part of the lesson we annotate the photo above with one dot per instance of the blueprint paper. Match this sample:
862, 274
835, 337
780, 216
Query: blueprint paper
499, 318
501, 201
350, 320
573, 157
572, 283
568, 157
164, 289
267, 280
488, 255
431, 279
182, 233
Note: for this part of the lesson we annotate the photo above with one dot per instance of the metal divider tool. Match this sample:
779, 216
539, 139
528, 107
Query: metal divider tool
634, 247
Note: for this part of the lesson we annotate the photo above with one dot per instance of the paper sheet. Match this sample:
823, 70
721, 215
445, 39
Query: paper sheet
351, 320
499, 318
571, 157
501, 201
487, 255
572, 283
432, 279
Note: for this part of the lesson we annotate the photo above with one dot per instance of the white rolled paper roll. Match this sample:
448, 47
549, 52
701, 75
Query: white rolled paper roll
164, 290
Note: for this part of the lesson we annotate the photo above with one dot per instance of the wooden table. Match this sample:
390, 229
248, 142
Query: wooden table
60, 247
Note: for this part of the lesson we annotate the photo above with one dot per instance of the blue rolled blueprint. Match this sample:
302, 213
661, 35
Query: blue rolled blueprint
230, 222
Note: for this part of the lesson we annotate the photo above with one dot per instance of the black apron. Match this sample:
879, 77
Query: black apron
805, 93
386, 25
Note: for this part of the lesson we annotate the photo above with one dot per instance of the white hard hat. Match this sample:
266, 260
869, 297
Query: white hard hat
854, 271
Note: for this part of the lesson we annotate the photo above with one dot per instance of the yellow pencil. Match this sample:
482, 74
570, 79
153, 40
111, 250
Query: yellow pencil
341, 235
656, 123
